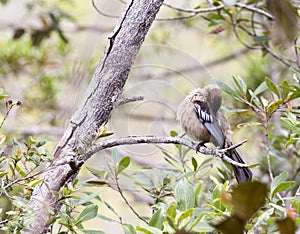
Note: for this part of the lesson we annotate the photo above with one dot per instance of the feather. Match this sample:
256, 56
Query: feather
217, 135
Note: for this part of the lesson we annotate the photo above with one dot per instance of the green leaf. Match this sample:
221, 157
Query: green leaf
273, 106
110, 207
3, 174
198, 192
173, 133
277, 180
105, 218
123, 164
157, 219
194, 163
30, 140
278, 207
88, 231
185, 218
88, 198
284, 186
206, 163
201, 226
247, 198
20, 171
106, 134
184, 194
171, 213
88, 213
272, 86
261, 88
240, 84
291, 123
286, 88
291, 141
98, 173
261, 219
2, 94
255, 99
286, 226
35, 182
219, 188
115, 155
148, 230
260, 39
287, 123
128, 229
225, 88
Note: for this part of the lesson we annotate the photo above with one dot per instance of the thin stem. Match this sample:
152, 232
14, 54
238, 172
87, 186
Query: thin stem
268, 150
210, 9
256, 10
102, 13
6, 115
127, 202
279, 58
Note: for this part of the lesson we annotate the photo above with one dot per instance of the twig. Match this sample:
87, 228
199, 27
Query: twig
254, 9
102, 13
128, 100
268, 150
127, 202
234, 146
210, 9
198, 67
23, 178
198, 11
279, 58
191, 11
177, 18
132, 140
11, 105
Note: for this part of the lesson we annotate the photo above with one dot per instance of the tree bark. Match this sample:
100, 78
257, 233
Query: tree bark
101, 98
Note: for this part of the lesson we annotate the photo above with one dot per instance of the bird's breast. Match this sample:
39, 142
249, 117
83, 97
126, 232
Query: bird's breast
192, 125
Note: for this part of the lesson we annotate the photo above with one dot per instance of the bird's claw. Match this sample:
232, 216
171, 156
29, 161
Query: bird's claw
201, 144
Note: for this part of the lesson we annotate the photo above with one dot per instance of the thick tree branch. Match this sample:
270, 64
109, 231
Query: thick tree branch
97, 106
133, 140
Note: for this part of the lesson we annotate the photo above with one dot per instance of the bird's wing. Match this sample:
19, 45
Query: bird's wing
210, 122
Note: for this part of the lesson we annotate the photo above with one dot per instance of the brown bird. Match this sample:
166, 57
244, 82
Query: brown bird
201, 119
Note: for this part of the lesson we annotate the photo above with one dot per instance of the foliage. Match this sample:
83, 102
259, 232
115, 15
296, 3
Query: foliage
182, 201
181, 197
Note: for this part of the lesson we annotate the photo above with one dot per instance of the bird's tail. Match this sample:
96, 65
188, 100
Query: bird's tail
242, 174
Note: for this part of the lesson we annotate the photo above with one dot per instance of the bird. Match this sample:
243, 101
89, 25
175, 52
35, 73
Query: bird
201, 119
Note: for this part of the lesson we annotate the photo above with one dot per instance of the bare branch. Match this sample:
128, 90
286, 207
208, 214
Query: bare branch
191, 11
210, 9
133, 140
127, 202
102, 13
127, 100
256, 10
234, 146
198, 11
281, 59
198, 67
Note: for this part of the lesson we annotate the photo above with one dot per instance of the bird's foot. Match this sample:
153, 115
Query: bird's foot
201, 144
